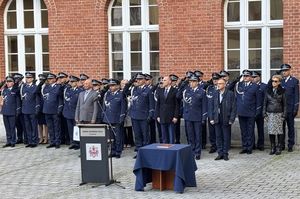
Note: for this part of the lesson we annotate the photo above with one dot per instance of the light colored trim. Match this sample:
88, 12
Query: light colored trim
244, 25
126, 29
21, 32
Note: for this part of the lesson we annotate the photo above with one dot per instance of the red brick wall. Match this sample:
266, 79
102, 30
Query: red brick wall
191, 36
291, 32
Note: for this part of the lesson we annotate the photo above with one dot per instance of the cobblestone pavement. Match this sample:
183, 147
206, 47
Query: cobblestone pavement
55, 173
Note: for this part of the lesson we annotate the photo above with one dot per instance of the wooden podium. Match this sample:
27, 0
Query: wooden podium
163, 180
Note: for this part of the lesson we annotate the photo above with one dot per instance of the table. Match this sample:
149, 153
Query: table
178, 158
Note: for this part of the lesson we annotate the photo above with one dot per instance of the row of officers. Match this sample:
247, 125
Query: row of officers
60, 102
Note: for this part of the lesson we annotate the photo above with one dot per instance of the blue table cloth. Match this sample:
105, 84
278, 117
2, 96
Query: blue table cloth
178, 158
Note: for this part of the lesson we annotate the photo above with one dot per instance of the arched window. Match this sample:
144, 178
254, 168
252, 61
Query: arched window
253, 36
133, 38
26, 36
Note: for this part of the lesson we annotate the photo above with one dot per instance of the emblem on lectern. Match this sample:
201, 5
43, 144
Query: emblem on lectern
93, 152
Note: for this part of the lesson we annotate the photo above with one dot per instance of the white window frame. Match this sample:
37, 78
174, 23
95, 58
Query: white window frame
21, 32
126, 29
266, 24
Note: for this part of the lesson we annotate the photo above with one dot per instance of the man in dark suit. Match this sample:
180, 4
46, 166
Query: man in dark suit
222, 116
167, 110
291, 86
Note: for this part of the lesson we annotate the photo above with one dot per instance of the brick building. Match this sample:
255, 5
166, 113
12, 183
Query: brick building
119, 37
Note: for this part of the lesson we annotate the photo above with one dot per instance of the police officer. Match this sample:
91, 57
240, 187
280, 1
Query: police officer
291, 86
51, 94
174, 80
141, 110
259, 119
20, 125
155, 95
30, 109
149, 83
42, 127
97, 87
71, 94
203, 85
62, 79
11, 107
82, 78
210, 90
222, 116
114, 109
194, 113
247, 109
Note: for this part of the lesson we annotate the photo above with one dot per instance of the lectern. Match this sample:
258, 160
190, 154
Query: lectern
94, 153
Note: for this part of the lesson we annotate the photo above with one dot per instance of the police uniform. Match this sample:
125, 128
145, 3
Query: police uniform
259, 119
141, 110
152, 128
10, 109
51, 94
30, 109
41, 117
70, 102
114, 109
194, 114
210, 90
247, 94
20, 124
291, 86
174, 78
64, 135
100, 93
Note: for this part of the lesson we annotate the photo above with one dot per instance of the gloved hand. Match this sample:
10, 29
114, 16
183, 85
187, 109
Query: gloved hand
295, 114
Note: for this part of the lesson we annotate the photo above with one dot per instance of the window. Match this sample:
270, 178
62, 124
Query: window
26, 37
253, 36
133, 38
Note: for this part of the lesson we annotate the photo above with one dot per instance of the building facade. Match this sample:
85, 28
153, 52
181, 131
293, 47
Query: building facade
117, 38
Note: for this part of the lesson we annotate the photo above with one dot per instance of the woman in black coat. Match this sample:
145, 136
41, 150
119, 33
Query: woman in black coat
274, 111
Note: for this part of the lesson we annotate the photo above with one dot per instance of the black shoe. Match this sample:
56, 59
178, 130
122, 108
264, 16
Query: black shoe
117, 156
290, 149
6, 145
19, 142
283, 148
219, 157
243, 151
134, 157
212, 150
76, 147
261, 148
50, 146
197, 157
28, 145
12, 145
72, 147
273, 151
33, 146
57, 146
226, 157
249, 152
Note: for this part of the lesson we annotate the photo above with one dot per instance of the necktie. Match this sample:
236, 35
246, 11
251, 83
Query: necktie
166, 93
221, 97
